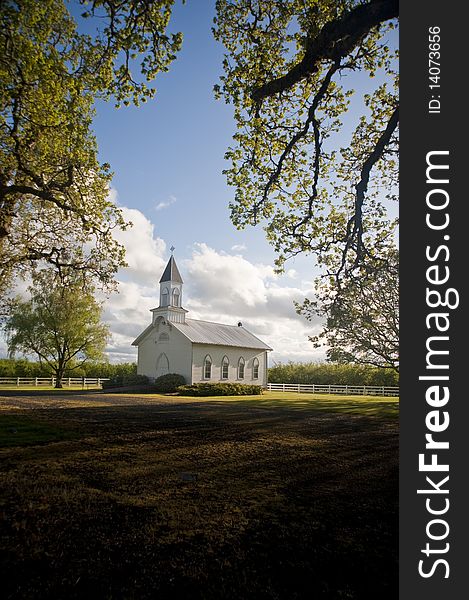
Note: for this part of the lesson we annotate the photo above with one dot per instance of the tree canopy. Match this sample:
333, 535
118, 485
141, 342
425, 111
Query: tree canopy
60, 324
362, 316
54, 203
293, 169
284, 72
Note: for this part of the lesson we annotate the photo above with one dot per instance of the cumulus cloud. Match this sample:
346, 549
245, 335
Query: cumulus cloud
144, 251
220, 286
127, 311
226, 288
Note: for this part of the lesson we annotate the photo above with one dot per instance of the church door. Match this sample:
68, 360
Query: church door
162, 365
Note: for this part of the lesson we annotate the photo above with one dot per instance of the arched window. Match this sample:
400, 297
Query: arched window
163, 337
241, 368
165, 297
255, 369
162, 365
207, 367
225, 363
175, 297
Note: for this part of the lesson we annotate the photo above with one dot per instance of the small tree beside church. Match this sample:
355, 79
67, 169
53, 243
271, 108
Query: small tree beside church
60, 324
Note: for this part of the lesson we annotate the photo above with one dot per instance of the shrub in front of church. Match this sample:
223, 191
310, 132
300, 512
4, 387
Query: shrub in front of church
125, 381
168, 383
220, 389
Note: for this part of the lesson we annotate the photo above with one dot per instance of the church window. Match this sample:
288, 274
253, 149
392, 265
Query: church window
207, 367
175, 297
241, 368
255, 369
164, 297
164, 337
224, 367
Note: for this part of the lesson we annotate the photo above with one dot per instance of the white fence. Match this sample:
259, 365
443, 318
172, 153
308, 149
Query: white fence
50, 381
359, 390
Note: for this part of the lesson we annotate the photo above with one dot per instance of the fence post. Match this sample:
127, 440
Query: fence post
283, 389
17, 382
53, 381
329, 388
298, 388
35, 382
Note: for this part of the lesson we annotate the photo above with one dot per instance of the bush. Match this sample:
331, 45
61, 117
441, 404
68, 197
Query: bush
220, 389
168, 383
125, 381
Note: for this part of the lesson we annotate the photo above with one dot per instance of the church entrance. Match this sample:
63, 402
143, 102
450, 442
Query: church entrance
162, 365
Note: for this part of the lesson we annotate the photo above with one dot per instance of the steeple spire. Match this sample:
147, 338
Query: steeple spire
171, 293
171, 273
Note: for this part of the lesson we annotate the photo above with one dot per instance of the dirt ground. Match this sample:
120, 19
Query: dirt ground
117, 497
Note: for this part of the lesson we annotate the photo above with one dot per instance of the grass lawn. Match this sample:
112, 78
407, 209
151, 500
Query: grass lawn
280, 496
46, 388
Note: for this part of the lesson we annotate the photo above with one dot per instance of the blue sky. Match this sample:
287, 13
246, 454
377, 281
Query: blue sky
167, 157
171, 150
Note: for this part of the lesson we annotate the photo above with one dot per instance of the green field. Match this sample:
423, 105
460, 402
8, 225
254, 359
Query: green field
45, 388
284, 496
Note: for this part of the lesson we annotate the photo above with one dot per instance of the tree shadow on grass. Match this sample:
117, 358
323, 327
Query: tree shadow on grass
280, 504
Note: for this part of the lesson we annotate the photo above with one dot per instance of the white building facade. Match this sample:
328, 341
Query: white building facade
200, 351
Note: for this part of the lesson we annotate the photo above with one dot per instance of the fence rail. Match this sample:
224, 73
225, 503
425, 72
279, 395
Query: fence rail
359, 390
47, 381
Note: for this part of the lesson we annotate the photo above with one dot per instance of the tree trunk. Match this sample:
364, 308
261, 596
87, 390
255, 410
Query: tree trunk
59, 374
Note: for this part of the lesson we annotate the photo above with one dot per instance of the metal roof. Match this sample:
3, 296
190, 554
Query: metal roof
171, 273
206, 332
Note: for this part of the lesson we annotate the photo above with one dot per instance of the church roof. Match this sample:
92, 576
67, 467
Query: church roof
171, 273
206, 332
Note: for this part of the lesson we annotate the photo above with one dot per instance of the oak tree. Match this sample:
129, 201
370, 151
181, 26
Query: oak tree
60, 324
361, 316
286, 72
54, 203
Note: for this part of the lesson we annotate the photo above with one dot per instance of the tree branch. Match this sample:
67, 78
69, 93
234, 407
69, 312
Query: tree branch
335, 41
354, 233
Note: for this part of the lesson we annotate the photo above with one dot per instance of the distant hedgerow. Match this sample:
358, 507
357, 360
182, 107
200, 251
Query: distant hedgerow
220, 389
332, 374
125, 381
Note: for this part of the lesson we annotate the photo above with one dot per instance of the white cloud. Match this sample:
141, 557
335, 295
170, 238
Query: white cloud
219, 286
127, 312
226, 288
166, 203
239, 247
144, 251
113, 196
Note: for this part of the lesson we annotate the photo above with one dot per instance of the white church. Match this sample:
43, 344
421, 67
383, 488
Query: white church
200, 351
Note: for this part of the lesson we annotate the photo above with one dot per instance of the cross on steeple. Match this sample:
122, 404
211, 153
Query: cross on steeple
172, 249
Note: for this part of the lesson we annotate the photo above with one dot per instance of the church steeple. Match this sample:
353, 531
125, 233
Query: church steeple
171, 294
171, 273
